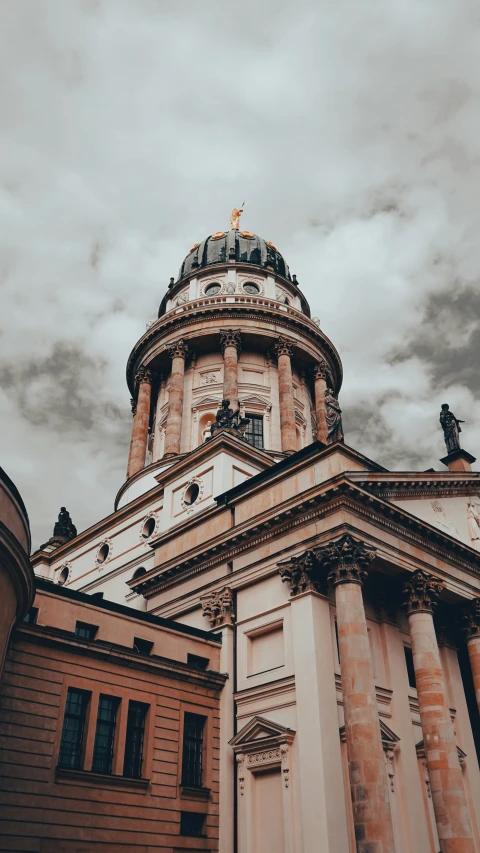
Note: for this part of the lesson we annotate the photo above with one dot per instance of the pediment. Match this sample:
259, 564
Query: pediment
420, 748
259, 729
207, 400
254, 398
389, 738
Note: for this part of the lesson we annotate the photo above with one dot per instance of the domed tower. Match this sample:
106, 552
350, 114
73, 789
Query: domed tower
234, 325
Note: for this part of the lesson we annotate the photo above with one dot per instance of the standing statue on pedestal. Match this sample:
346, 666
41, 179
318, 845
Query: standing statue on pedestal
451, 428
235, 218
227, 419
473, 518
333, 417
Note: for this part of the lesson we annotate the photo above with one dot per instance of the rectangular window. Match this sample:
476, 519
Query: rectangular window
73, 728
105, 734
132, 765
192, 758
143, 647
412, 681
191, 823
254, 431
197, 662
86, 631
31, 616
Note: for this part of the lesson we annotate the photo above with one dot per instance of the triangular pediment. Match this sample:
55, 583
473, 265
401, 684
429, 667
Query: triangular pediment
207, 400
388, 736
254, 398
259, 729
420, 748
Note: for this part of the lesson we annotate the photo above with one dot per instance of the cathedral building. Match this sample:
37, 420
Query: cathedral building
272, 644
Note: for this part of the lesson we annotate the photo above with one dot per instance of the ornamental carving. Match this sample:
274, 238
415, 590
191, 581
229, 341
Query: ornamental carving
320, 371
230, 338
241, 773
471, 619
133, 405
178, 349
211, 377
218, 607
283, 347
421, 593
346, 561
143, 375
303, 574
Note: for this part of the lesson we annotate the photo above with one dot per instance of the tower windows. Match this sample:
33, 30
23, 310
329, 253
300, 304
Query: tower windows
213, 289
254, 431
148, 528
132, 765
85, 630
251, 287
191, 494
63, 576
192, 757
73, 727
103, 553
105, 734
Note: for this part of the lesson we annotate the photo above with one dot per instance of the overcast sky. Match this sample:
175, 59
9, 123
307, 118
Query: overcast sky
129, 129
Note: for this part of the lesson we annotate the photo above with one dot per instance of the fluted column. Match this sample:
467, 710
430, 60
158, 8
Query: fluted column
446, 781
472, 632
347, 561
141, 420
230, 343
173, 430
283, 350
320, 373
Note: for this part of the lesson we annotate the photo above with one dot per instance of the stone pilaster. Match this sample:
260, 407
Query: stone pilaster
283, 350
445, 774
173, 431
320, 373
141, 419
471, 623
347, 561
230, 344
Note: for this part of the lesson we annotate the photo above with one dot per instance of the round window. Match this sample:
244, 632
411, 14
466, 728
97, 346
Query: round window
250, 287
148, 528
191, 494
103, 553
213, 289
63, 576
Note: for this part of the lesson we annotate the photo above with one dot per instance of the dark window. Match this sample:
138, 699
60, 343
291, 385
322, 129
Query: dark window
83, 629
149, 528
197, 662
137, 713
412, 681
191, 494
144, 647
73, 727
191, 823
337, 641
192, 758
139, 572
31, 616
105, 734
254, 431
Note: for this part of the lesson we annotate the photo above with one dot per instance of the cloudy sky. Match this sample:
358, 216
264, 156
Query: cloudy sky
129, 128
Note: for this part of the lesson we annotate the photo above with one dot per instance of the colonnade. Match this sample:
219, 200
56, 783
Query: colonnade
345, 564
230, 344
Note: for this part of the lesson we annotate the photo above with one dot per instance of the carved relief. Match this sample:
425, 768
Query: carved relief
346, 560
211, 377
421, 592
285, 753
303, 574
473, 520
241, 773
471, 619
133, 405
218, 607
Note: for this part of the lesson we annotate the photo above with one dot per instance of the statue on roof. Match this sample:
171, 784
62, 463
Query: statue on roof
64, 530
227, 419
235, 218
451, 428
333, 417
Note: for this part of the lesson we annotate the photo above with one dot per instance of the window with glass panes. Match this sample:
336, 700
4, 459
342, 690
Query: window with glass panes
132, 765
192, 757
73, 727
254, 431
105, 734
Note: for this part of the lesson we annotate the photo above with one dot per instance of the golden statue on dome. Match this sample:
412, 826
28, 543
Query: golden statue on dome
235, 217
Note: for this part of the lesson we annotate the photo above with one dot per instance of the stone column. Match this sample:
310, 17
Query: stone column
283, 350
347, 562
446, 781
230, 343
173, 430
141, 419
320, 373
472, 632
218, 606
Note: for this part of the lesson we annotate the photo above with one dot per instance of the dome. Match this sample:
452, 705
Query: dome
240, 246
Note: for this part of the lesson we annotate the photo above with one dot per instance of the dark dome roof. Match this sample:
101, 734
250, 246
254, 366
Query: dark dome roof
241, 246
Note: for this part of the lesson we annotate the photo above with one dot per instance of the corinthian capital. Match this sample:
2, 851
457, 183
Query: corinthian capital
471, 619
178, 349
346, 560
320, 371
143, 375
218, 607
303, 574
283, 347
230, 338
421, 592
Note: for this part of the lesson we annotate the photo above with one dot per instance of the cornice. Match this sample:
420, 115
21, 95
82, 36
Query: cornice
14, 559
426, 484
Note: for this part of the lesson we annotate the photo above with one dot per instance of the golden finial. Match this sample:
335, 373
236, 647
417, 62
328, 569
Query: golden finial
235, 217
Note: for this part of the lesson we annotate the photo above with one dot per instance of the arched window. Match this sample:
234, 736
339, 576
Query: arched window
139, 572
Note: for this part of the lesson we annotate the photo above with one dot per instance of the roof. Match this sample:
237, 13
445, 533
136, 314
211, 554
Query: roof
241, 246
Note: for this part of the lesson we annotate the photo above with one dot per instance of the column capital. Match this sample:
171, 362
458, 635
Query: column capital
471, 619
218, 606
178, 349
421, 593
230, 338
283, 347
320, 370
303, 574
143, 374
346, 560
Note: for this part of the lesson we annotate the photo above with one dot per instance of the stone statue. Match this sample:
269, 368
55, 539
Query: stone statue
207, 432
226, 418
333, 417
473, 518
64, 530
451, 428
235, 218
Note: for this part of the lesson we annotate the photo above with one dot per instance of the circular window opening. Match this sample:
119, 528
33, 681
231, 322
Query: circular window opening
63, 576
191, 494
148, 528
139, 572
103, 553
250, 287
213, 289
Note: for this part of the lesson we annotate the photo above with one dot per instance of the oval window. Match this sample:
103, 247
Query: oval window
250, 287
213, 289
63, 576
148, 528
191, 494
103, 553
